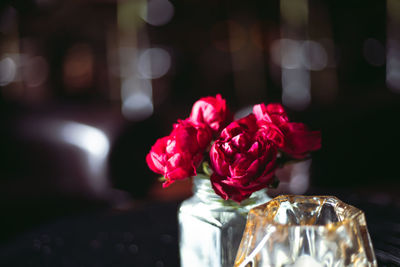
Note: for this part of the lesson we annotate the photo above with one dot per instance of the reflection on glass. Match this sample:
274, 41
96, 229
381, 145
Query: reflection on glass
305, 231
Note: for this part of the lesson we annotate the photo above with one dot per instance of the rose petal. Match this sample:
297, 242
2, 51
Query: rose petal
300, 141
211, 111
243, 162
260, 112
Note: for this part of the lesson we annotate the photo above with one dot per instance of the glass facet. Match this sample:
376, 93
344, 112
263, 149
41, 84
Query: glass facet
308, 231
210, 228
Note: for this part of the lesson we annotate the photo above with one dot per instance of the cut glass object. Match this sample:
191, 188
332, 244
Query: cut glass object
311, 231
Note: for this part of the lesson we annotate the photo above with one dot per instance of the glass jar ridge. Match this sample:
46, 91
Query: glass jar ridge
210, 228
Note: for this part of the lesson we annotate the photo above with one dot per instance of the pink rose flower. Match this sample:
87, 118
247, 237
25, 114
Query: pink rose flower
211, 111
291, 137
178, 155
243, 160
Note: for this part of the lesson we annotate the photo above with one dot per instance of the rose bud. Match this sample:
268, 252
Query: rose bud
211, 111
242, 160
292, 138
178, 155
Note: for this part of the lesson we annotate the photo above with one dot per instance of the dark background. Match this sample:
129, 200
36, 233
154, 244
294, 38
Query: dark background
84, 66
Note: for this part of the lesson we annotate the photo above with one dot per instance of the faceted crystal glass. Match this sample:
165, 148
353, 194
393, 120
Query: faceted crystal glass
308, 231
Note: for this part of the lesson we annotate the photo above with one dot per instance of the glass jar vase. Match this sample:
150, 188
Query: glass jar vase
210, 228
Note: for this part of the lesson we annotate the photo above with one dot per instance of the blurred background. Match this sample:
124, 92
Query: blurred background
86, 87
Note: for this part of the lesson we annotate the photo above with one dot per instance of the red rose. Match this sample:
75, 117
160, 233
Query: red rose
178, 155
243, 161
211, 111
292, 138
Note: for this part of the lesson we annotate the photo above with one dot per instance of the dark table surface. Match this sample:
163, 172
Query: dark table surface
147, 236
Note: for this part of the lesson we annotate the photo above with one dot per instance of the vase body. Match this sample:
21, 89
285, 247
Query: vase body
210, 228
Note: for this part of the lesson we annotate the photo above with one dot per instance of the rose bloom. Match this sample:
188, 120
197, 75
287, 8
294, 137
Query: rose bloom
178, 155
211, 111
243, 160
293, 138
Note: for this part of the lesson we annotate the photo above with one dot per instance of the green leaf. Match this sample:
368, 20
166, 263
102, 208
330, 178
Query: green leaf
207, 169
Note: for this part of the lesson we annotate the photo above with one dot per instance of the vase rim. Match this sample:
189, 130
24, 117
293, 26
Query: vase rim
202, 185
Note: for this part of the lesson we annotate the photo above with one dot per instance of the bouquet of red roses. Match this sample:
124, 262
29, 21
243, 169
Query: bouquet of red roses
242, 155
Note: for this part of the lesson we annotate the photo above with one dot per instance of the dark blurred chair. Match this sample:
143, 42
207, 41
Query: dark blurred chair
53, 163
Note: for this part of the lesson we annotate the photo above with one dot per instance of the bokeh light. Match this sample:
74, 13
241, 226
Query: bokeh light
293, 54
393, 66
8, 70
157, 12
138, 106
85, 137
286, 53
36, 71
137, 103
91, 140
300, 177
314, 56
154, 63
296, 88
294, 13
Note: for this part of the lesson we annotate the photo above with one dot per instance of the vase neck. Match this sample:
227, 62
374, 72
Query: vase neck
203, 190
